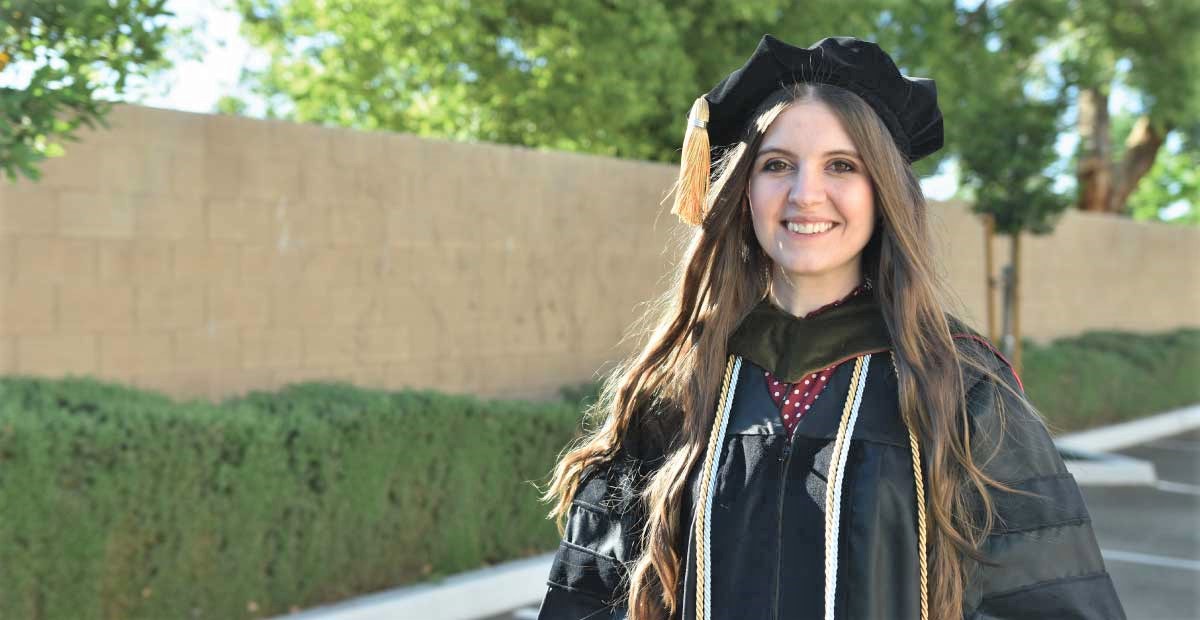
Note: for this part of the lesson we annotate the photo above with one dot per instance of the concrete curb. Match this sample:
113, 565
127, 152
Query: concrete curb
1101, 469
476, 594
1127, 434
1086, 452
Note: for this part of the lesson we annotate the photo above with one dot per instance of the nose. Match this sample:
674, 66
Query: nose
808, 186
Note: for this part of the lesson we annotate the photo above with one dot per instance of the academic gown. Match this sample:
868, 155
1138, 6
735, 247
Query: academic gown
758, 541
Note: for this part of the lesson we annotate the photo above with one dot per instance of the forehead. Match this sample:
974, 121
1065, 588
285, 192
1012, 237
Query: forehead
807, 126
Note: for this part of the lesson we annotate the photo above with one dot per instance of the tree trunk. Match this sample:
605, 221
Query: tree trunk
1095, 151
989, 231
1141, 148
1016, 301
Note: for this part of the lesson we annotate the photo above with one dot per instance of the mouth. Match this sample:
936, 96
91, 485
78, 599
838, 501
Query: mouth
808, 230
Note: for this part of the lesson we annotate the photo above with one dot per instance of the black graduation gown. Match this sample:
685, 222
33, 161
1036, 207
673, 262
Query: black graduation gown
764, 529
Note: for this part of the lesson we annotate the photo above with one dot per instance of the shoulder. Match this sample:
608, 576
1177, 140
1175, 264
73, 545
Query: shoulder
975, 349
1007, 433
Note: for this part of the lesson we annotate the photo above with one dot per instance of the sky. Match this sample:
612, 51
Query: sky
195, 84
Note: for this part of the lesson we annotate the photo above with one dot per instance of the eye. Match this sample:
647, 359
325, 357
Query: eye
775, 165
841, 165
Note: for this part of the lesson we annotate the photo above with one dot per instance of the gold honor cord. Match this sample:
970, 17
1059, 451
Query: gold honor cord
708, 483
921, 540
919, 482
833, 480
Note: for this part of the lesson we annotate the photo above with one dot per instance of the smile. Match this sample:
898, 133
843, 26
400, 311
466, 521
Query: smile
809, 229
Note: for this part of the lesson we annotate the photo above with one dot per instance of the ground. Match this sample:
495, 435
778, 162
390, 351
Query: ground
1151, 535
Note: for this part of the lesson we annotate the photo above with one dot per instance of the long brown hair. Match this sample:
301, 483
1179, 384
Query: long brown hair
724, 272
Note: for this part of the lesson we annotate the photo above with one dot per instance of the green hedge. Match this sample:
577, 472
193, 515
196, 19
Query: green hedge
122, 504
1103, 377
117, 503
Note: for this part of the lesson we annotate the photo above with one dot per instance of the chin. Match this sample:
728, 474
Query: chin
806, 267
803, 272
814, 268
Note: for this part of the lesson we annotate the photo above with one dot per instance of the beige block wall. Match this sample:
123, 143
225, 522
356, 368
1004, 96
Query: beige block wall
207, 255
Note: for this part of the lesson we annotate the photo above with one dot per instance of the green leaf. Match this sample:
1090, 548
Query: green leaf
69, 45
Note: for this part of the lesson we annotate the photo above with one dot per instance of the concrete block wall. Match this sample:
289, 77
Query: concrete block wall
206, 255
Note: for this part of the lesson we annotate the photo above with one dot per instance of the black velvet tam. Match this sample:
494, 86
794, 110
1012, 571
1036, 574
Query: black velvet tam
908, 106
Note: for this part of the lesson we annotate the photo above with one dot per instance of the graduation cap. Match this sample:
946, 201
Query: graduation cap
908, 106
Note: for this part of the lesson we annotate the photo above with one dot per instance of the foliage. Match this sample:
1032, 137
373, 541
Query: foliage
1001, 115
617, 77
613, 77
125, 504
1152, 49
1158, 44
1175, 177
70, 50
1102, 377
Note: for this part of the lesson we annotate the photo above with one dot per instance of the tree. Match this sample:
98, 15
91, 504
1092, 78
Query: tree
1151, 47
1171, 190
1006, 167
1002, 114
612, 77
615, 77
65, 51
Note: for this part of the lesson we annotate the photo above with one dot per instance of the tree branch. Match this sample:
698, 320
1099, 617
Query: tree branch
1141, 149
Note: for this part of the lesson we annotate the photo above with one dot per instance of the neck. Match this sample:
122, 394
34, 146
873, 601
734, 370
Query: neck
800, 296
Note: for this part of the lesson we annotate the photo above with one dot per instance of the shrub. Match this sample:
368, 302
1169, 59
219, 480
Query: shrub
1103, 377
125, 504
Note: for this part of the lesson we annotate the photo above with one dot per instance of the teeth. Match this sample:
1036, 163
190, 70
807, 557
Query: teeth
809, 229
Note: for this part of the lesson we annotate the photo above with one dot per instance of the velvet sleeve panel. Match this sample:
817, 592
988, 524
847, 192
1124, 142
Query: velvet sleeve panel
1047, 563
589, 577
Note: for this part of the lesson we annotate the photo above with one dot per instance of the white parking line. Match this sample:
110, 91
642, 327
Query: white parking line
1177, 487
1134, 557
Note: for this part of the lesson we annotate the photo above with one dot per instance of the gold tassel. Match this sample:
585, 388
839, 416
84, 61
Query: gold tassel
691, 190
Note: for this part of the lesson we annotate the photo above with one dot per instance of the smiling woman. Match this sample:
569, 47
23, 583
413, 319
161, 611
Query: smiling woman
812, 205
808, 433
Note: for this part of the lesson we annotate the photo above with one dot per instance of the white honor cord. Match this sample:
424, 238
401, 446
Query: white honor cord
839, 468
715, 455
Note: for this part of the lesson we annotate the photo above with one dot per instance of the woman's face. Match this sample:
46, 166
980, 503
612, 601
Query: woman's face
811, 199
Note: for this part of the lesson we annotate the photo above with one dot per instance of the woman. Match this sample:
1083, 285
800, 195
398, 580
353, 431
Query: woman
807, 433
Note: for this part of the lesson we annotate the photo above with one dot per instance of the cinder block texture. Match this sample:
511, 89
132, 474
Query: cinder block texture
205, 256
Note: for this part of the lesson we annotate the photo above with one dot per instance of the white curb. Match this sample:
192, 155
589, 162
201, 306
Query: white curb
1086, 452
1127, 434
1100, 469
477, 594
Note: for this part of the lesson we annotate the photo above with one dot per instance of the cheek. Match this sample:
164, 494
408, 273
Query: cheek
763, 202
860, 207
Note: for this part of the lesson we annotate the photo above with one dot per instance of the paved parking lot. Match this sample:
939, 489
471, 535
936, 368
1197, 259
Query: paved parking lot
1150, 536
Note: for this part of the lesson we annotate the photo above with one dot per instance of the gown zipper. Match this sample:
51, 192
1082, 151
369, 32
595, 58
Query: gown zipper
783, 480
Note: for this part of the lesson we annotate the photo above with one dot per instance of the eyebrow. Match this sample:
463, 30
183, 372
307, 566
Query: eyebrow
783, 151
